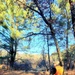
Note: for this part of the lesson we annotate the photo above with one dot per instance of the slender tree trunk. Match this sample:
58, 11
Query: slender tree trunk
44, 57
58, 51
67, 38
48, 53
48, 50
72, 8
67, 52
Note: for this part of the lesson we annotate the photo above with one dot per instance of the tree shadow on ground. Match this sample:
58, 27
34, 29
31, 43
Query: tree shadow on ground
26, 65
42, 63
6, 72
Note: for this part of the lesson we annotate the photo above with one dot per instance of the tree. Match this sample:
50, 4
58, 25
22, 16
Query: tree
65, 6
38, 5
44, 9
72, 8
11, 15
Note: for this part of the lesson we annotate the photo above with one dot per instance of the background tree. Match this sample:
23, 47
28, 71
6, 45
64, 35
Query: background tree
13, 18
72, 8
38, 5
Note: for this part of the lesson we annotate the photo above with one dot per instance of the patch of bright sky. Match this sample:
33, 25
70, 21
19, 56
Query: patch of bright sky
71, 38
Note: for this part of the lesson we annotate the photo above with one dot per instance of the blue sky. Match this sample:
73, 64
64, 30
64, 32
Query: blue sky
38, 44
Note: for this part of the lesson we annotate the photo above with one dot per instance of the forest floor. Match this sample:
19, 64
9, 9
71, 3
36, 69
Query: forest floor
9, 72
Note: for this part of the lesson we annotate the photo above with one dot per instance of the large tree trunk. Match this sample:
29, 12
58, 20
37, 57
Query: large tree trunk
13, 52
12, 59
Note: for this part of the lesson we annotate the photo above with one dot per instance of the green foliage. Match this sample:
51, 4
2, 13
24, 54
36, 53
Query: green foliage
14, 32
71, 54
2, 10
55, 9
13, 16
73, 0
59, 1
62, 8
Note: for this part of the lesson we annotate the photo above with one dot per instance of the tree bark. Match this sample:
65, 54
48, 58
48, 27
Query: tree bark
48, 51
67, 52
13, 52
72, 8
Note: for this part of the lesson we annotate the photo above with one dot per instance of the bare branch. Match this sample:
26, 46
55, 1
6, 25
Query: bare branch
7, 39
33, 34
33, 9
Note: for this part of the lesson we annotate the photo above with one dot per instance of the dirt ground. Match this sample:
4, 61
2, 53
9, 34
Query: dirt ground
8, 72
70, 72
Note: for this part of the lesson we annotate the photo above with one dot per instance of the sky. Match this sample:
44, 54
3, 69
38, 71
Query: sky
38, 44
